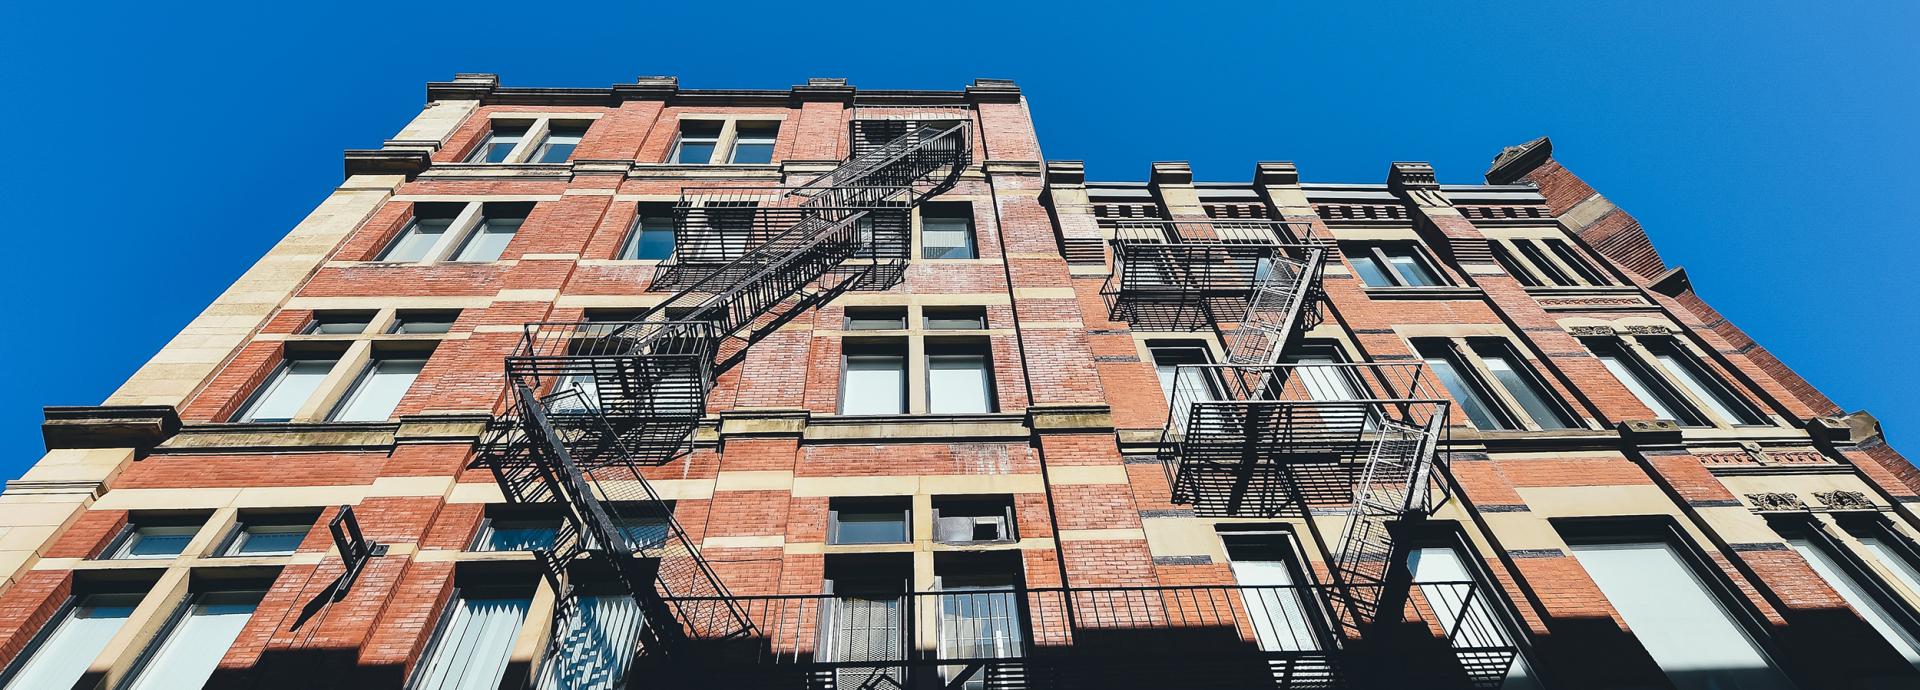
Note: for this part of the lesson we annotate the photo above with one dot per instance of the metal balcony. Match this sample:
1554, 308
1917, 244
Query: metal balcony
640, 386
1189, 275
715, 227
1220, 636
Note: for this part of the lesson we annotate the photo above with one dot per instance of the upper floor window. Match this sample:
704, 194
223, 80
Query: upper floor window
424, 322
72, 639
698, 139
338, 323
472, 232
983, 519
1885, 613
379, 389
1493, 384
876, 318
490, 236
959, 378
1192, 384
537, 139
499, 143
185, 655
753, 141
474, 640
955, 318
1665, 376
1545, 261
558, 145
727, 140
946, 231
1392, 264
875, 378
867, 521
652, 236
425, 231
286, 390
167, 539
267, 535
516, 534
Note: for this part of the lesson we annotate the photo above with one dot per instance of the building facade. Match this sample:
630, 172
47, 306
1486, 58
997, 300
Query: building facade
836, 388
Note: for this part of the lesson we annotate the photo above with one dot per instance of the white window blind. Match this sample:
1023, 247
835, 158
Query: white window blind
1862, 601
1281, 621
286, 390
78, 636
471, 649
489, 239
1901, 569
190, 649
958, 384
876, 384
597, 646
1686, 630
1445, 583
379, 390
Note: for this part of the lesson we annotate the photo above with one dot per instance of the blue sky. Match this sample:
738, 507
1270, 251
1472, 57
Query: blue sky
156, 149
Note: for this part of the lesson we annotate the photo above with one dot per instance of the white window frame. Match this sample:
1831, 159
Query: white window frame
364, 382
270, 387
1376, 250
539, 131
1646, 362
469, 222
726, 141
1503, 404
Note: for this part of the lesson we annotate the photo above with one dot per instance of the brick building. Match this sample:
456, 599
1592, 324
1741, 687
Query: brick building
827, 387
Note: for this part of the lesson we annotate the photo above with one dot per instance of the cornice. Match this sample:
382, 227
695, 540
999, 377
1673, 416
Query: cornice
1514, 162
108, 426
408, 161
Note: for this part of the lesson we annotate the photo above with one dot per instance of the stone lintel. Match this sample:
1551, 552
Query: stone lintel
1069, 418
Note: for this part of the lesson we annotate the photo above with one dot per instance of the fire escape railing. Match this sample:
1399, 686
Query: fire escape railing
1188, 275
592, 405
1239, 636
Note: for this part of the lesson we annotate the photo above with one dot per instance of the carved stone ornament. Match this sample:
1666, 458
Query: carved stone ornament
1589, 331
1772, 500
1844, 500
1649, 330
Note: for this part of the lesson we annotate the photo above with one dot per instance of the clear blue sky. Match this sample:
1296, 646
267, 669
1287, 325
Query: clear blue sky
154, 150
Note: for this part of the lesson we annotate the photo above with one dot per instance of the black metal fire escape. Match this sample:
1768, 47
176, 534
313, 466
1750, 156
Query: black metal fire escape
592, 404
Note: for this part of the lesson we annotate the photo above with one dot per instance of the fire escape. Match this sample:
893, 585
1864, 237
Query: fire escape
1257, 435
590, 405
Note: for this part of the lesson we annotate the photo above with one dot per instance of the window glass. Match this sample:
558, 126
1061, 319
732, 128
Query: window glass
946, 232
286, 390
885, 319
875, 384
1457, 600
1701, 383
560, 142
1371, 271
979, 618
1568, 254
471, 648
596, 646
956, 318
77, 637
643, 532
379, 390
267, 540
338, 323
425, 322
1890, 558
190, 649
1411, 268
1547, 267
489, 239
1192, 384
1283, 620
753, 141
958, 384
697, 139
1682, 624
869, 522
1465, 390
1859, 597
516, 535
498, 143
651, 238
1513, 374
1512, 266
155, 542
418, 238
1651, 392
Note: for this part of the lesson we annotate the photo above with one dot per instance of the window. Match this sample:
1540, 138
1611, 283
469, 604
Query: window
980, 614
474, 640
1392, 264
863, 620
1866, 597
652, 235
423, 322
955, 318
1283, 617
1544, 265
1571, 257
558, 145
642, 532
428, 227
1460, 600
496, 227
867, 521
959, 378
1321, 374
161, 541
1680, 619
962, 520
378, 390
697, 141
516, 534
1671, 382
1191, 383
875, 379
185, 655
1891, 551
946, 231
1512, 374
595, 645
268, 536
876, 318
286, 390
338, 323
1464, 385
1512, 265
753, 141
500, 142
70, 642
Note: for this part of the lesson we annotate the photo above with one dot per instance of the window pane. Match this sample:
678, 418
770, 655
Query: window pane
1698, 381
78, 636
470, 650
516, 535
289, 388
267, 540
1650, 392
1369, 268
193, 646
876, 319
876, 384
156, 542
1513, 375
489, 239
1567, 253
643, 532
958, 384
955, 319
1679, 621
878, 526
1192, 384
651, 240
338, 324
498, 144
1282, 620
1546, 265
1902, 569
431, 322
1411, 268
559, 145
1858, 596
416, 240
1511, 266
597, 645
1446, 584
379, 390
697, 139
1473, 401
695, 152
753, 141
946, 238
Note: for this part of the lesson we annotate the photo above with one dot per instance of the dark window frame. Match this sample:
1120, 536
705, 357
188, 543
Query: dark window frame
1375, 251
877, 505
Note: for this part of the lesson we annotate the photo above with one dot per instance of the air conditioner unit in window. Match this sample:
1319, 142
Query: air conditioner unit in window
971, 529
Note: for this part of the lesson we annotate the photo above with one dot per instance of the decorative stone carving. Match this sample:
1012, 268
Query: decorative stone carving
1844, 500
1773, 500
1415, 179
1645, 329
1590, 331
